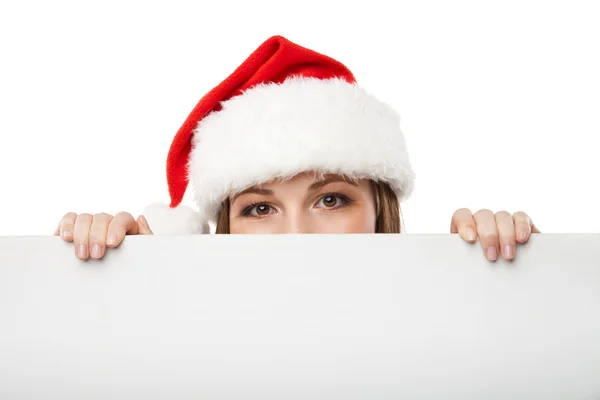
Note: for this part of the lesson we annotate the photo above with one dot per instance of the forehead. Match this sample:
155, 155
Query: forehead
307, 178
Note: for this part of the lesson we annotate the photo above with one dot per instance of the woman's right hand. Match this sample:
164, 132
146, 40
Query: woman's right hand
93, 234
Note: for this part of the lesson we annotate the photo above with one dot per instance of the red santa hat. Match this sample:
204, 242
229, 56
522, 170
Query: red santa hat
285, 110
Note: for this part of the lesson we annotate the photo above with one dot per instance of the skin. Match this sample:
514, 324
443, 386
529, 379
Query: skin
499, 233
303, 204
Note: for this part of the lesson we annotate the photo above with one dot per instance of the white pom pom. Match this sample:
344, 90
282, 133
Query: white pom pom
181, 220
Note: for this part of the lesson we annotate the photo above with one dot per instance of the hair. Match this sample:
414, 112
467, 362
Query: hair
388, 211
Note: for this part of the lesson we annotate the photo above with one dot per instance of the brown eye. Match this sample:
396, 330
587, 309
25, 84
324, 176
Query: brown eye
333, 201
257, 210
329, 201
262, 209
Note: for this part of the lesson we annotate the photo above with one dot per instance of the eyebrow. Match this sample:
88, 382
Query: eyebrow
324, 182
255, 190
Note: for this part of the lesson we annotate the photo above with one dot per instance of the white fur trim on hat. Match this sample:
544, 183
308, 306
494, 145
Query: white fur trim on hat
180, 220
304, 124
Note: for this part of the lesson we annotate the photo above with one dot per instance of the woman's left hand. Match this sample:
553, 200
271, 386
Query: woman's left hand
499, 231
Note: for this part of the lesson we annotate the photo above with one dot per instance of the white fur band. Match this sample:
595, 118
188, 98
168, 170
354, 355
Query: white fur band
303, 124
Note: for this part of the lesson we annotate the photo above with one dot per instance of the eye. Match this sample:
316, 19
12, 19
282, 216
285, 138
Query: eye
332, 200
257, 210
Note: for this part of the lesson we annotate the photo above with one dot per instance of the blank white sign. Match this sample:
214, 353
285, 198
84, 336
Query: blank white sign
298, 317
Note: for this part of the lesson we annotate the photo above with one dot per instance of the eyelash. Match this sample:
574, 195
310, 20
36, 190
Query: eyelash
247, 211
345, 199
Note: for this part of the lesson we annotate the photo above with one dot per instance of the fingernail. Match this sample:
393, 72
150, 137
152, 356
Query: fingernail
470, 234
67, 234
82, 251
522, 235
96, 251
112, 239
508, 251
491, 253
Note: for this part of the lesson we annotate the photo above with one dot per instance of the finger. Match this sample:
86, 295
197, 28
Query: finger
534, 229
523, 226
464, 224
121, 225
67, 226
143, 227
81, 233
488, 233
506, 233
98, 230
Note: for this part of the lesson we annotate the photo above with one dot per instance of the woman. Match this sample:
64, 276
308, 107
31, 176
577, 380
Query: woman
288, 143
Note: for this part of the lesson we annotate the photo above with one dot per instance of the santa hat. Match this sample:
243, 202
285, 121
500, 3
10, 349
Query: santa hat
285, 110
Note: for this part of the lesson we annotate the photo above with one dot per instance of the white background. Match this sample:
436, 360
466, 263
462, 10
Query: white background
499, 100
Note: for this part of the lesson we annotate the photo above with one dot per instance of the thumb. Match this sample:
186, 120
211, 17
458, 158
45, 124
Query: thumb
143, 227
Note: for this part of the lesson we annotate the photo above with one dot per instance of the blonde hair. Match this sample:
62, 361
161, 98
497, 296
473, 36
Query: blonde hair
388, 211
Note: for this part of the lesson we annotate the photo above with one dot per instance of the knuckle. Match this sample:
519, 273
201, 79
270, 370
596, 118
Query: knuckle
462, 210
69, 216
83, 221
97, 230
482, 212
503, 214
521, 215
122, 215
103, 215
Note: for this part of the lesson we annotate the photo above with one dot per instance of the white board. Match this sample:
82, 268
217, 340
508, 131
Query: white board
297, 317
